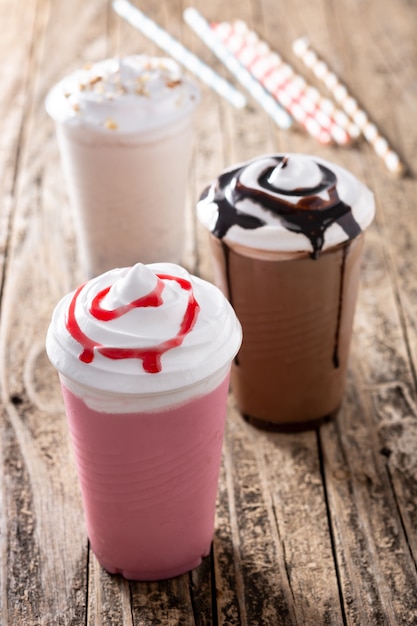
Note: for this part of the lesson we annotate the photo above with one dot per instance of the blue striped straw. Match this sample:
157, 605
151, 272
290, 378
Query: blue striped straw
179, 52
202, 28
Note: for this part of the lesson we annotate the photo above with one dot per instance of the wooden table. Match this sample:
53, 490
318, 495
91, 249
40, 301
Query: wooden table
312, 528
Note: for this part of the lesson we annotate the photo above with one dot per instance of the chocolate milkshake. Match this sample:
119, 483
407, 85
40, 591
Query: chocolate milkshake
286, 233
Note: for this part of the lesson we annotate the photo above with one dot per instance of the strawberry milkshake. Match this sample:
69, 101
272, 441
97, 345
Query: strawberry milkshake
144, 356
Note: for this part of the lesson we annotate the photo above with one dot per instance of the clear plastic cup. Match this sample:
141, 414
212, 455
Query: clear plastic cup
125, 157
286, 234
144, 356
149, 477
297, 317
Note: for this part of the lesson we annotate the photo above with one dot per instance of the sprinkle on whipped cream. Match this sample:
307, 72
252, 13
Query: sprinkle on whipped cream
111, 124
136, 92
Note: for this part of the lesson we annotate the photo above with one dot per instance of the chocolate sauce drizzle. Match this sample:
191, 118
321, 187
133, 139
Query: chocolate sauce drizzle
336, 360
226, 251
311, 215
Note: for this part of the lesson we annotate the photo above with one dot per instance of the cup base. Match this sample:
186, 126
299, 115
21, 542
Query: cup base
147, 576
289, 427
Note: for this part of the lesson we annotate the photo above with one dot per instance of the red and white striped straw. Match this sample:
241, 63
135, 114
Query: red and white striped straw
318, 115
202, 28
302, 49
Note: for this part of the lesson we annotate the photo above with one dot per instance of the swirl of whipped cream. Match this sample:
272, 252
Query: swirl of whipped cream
286, 203
132, 94
146, 330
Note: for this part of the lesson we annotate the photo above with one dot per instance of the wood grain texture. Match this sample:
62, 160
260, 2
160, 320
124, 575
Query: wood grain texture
311, 528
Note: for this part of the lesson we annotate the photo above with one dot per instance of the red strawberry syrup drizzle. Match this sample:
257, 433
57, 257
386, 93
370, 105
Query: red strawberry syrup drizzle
151, 357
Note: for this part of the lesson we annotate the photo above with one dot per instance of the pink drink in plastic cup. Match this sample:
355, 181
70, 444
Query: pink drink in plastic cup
144, 358
149, 482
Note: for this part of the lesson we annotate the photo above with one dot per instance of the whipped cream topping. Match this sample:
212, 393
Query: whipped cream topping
286, 203
143, 330
130, 94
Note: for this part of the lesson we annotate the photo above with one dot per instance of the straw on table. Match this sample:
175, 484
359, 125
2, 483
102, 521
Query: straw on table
178, 52
202, 28
318, 115
303, 49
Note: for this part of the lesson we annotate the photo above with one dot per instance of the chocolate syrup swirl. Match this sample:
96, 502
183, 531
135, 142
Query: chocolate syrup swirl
311, 215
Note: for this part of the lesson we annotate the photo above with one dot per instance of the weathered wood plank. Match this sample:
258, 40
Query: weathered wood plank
303, 526
15, 45
229, 597
109, 598
45, 558
374, 560
164, 602
265, 590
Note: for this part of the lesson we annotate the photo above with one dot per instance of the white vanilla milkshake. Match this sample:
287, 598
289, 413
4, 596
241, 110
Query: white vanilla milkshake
124, 129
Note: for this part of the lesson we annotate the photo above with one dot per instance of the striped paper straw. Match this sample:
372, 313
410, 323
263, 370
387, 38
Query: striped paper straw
179, 52
318, 115
202, 28
302, 49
